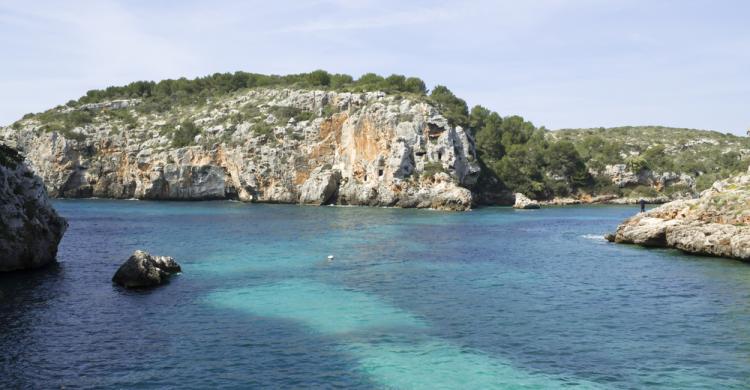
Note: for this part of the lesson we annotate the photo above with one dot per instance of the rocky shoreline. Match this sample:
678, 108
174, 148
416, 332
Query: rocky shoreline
605, 199
716, 224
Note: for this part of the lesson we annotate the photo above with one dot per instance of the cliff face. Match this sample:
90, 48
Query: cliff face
30, 229
715, 224
262, 145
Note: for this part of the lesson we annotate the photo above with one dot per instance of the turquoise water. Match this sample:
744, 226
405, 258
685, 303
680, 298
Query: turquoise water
492, 298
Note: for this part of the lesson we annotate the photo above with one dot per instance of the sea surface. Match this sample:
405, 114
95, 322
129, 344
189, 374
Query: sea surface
493, 298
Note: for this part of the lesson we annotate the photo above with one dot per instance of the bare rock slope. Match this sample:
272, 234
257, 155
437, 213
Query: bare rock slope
715, 224
261, 145
30, 229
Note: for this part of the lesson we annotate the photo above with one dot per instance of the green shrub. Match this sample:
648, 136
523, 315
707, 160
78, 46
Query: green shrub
284, 113
415, 85
77, 118
656, 159
247, 112
184, 135
478, 118
602, 185
563, 160
369, 82
453, 108
319, 78
124, 116
705, 181
636, 163
432, 168
72, 135
329, 110
339, 81
262, 128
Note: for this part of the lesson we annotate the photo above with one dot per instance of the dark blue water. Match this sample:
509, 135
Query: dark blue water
493, 298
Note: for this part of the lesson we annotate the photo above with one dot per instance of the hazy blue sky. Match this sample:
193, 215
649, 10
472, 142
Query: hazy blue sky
558, 63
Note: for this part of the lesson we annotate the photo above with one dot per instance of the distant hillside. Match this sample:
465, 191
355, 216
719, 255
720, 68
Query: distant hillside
705, 155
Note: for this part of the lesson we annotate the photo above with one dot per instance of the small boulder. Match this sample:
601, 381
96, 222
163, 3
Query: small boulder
144, 270
522, 202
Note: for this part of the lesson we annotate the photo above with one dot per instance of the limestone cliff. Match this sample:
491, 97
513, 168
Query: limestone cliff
715, 224
259, 145
30, 229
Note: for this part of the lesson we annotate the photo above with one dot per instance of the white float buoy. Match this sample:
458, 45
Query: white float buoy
330, 257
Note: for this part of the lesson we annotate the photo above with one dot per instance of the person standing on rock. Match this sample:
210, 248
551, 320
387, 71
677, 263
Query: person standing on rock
642, 202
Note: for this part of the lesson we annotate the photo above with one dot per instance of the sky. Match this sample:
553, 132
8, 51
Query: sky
558, 63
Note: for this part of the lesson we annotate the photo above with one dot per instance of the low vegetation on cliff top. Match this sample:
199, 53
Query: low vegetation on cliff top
514, 154
163, 95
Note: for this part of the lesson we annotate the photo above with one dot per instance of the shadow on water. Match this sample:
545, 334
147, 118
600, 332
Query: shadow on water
23, 285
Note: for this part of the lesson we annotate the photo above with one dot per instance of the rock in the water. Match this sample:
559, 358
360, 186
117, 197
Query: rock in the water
523, 202
145, 270
30, 229
716, 224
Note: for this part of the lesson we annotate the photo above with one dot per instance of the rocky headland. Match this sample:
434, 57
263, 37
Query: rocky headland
30, 229
260, 145
716, 224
